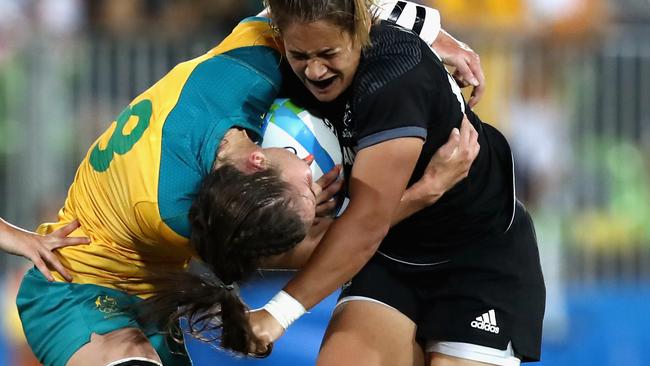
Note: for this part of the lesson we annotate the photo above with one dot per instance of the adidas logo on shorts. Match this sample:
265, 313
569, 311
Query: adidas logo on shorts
487, 322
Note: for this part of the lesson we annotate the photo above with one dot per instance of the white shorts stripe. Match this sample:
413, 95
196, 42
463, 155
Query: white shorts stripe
475, 352
119, 362
360, 298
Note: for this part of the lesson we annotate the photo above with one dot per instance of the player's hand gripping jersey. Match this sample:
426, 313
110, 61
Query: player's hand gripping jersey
133, 190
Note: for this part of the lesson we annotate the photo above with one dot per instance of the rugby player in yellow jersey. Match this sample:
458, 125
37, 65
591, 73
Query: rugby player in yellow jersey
134, 189
174, 150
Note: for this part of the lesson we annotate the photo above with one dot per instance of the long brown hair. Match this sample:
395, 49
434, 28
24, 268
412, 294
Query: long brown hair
236, 220
353, 16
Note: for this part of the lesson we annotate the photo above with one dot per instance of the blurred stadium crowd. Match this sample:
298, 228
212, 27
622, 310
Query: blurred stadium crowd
568, 82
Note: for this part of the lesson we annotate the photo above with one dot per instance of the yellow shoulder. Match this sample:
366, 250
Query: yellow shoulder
254, 31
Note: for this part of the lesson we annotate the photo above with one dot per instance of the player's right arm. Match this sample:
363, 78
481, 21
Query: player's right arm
39, 248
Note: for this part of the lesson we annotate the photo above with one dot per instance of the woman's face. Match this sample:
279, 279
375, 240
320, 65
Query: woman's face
323, 55
297, 173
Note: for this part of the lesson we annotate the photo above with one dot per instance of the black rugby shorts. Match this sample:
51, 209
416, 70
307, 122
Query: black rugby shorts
489, 293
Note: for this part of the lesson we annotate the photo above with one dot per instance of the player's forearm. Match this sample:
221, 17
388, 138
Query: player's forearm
346, 248
8, 236
378, 180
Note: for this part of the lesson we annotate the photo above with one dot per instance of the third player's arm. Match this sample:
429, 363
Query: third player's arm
425, 22
39, 248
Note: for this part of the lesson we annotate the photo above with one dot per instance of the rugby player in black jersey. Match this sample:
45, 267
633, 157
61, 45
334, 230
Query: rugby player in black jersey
456, 283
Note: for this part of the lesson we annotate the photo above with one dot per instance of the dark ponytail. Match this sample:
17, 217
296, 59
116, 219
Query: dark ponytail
213, 311
236, 219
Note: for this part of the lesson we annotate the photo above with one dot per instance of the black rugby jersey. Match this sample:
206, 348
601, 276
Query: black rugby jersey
401, 89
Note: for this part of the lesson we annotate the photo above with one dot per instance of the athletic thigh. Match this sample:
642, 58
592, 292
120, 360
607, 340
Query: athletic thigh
113, 346
369, 333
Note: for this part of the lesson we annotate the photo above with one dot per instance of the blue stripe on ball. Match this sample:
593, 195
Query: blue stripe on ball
286, 120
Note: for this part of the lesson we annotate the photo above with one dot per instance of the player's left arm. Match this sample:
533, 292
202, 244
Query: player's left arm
448, 166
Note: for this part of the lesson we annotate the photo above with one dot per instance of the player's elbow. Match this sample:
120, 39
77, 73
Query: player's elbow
367, 225
371, 236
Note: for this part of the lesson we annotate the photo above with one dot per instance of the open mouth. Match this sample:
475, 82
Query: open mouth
322, 84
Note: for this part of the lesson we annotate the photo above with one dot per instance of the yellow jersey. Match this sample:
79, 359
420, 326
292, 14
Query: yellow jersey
133, 190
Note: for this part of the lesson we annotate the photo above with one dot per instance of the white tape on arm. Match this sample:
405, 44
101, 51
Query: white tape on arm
421, 19
285, 309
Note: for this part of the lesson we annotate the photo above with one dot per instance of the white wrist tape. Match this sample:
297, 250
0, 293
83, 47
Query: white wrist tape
285, 309
422, 20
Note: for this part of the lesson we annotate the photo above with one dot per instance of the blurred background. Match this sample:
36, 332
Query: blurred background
568, 83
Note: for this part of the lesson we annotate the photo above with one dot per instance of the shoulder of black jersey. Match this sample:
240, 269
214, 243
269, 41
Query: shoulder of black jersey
390, 36
393, 52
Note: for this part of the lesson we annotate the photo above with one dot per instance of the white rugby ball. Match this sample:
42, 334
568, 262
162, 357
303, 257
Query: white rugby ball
287, 125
